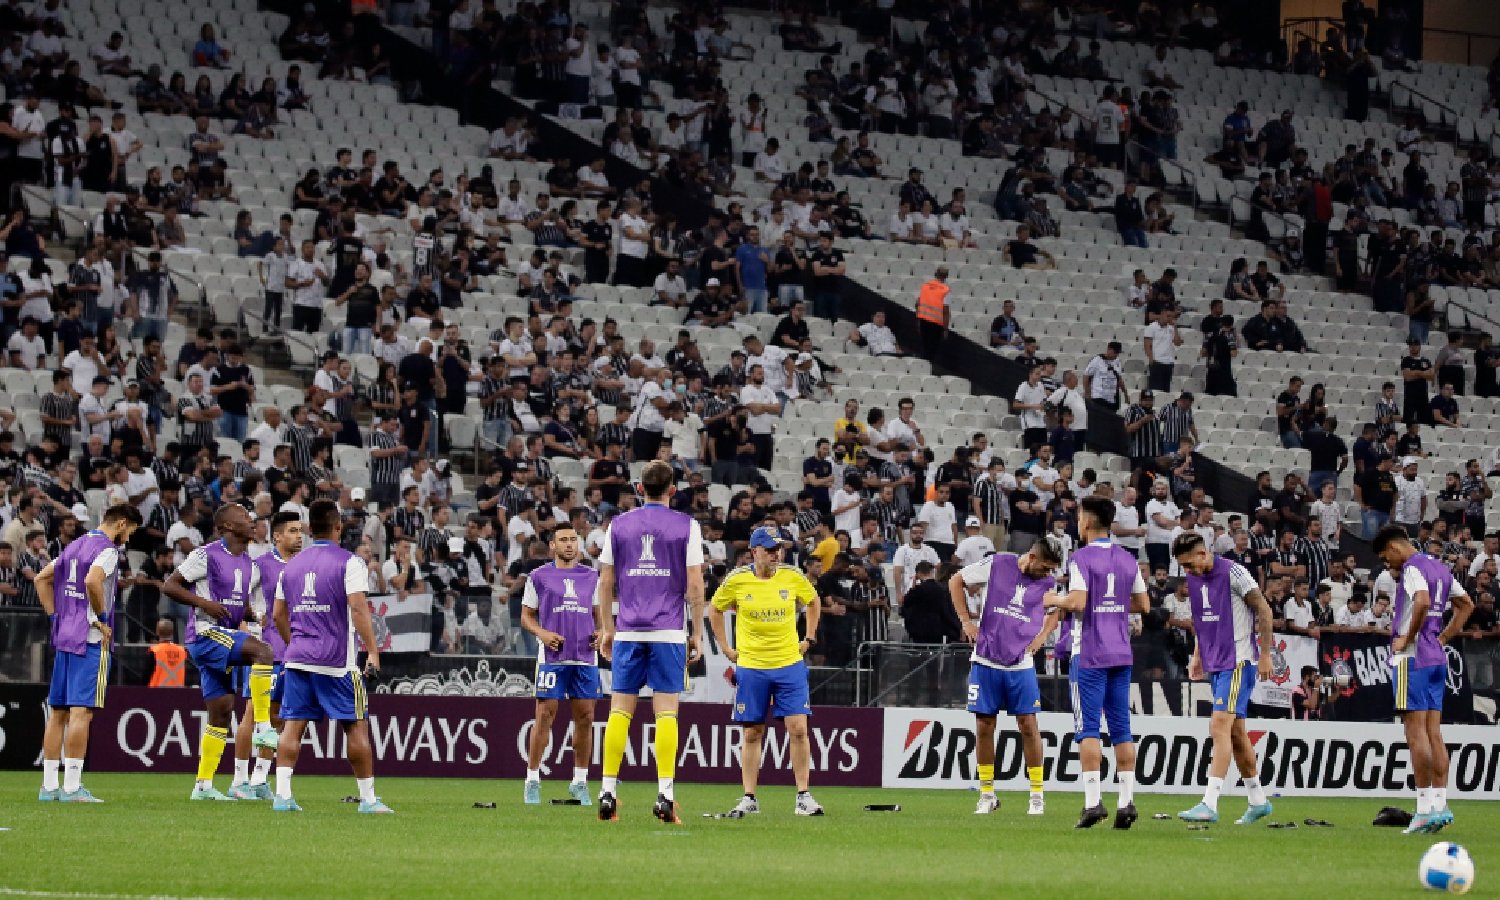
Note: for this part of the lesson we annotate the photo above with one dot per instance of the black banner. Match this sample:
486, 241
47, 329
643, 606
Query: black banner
1358, 667
23, 717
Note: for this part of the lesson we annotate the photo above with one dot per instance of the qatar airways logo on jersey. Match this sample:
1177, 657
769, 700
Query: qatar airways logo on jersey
645, 564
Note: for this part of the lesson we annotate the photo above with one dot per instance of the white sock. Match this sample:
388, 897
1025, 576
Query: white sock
1091, 790
72, 775
1256, 792
50, 778
1127, 789
664, 787
1211, 796
284, 782
607, 784
262, 769
366, 789
204, 785
533, 775
1439, 799
1424, 801
581, 776
241, 771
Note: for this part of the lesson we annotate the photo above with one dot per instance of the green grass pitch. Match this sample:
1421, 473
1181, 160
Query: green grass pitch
147, 839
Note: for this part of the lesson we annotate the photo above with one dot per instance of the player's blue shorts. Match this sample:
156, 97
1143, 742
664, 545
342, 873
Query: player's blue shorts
242, 682
559, 682
1099, 692
311, 697
216, 651
79, 679
638, 664
993, 690
778, 692
1232, 689
1418, 688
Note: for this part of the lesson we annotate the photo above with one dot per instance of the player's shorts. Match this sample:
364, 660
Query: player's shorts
993, 690
777, 692
560, 682
79, 679
242, 682
1101, 692
313, 697
638, 664
1232, 689
1418, 688
216, 651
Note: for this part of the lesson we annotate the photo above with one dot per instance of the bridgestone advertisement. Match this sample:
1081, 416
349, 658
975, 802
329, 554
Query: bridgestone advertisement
935, 749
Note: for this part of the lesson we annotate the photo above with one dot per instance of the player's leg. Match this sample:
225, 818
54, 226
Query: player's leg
752, 704
266, 756
299, 706
1023, 697
792, 703
258, 655
628, 676
214, 739
801, 752
238, 788
541, 736
583, 736
1259, 805
1437, 781
1220, 733
984, 758
87, 675
1087, 686
1414, 723
345, 700
752, 742
666, 673
57, 726
1117, 714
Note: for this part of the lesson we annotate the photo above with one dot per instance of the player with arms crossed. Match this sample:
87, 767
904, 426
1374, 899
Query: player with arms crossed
1013, 625
286, 540
560, 608
82, 614
1425, 588
1104, 588
652, 563
323, 598
1232, 622
770, 673
217, 580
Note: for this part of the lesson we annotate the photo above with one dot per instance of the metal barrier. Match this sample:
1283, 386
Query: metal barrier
24, 632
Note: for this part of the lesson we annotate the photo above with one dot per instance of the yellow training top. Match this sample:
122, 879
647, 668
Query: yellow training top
765, 624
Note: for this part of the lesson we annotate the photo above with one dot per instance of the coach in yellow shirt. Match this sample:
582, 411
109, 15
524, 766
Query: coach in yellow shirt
771, 676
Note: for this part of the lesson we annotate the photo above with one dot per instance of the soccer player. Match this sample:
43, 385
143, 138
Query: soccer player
770, 673
322, 600
652, 566
218, 580
560, 608
1104, 588
1013, 625
1233, 624
1425, 589
286, 540
82, 614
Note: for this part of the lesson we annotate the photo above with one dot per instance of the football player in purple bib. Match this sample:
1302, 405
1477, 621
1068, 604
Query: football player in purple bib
1425, 589
1104, 587
78, 591
1232, 623
560, 608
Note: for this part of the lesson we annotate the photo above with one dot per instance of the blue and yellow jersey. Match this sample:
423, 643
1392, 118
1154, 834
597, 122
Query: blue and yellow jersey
765, 624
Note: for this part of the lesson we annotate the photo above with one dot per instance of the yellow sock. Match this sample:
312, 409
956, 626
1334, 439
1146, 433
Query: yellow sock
987, 778
1034, 775
616, 736
260, 692
666, 746
210, 751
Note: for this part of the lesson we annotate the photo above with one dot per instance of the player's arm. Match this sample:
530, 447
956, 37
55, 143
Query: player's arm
43, 584
529, 621
958, 594
606, 612
1049, 625
1462, 604
723, 601
1077, 597
814, 612
695, 592
1263, 634
193, 569
1416, 588
364, 626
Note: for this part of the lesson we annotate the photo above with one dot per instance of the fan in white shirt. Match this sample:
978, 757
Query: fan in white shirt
769, 165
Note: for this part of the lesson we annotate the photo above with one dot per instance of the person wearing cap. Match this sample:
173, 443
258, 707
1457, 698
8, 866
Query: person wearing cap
975, 546
933, 313
711, 308
1410, 507
770, 669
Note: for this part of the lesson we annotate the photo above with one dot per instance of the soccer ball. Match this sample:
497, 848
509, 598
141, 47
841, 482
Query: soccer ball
1446, 867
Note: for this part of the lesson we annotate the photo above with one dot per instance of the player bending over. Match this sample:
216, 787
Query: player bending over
217, 580
321, 601
652, 564
1104, 588
286, 540
1425, 588
1013, 625
1232, 622
82, 610
770, 673
560, 607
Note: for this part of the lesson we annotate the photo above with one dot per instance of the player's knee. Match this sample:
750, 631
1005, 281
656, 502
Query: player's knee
79, 715
796, 729
259, 652
754, 732
1025, 724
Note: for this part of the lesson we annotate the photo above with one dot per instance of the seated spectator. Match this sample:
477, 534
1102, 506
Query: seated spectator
1023, 254
876, 337
769, 166
953, 226
208, 52
1129, 217
711, 308
1041, 221
1005, 331
1445, 408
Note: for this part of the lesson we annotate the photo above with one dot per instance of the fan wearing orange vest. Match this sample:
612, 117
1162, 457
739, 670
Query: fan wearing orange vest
170, 656
932, 311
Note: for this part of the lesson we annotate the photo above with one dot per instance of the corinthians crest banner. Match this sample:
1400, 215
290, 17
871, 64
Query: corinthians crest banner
1359, 665
1289, 653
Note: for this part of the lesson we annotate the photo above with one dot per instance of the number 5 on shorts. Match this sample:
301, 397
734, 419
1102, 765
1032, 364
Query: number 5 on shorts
973, 693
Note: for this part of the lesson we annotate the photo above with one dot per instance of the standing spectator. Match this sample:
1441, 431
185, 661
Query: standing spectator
1177, 423
1143, 428
1377, 496
827, 267
1417, 372
910, 557
975, 546
1162, 515
1410, 508
1103, 381
765, 410
1161, 341
153, 297
989, 502
233, 387
1129, 217
941, 520
635, 243
1030, 404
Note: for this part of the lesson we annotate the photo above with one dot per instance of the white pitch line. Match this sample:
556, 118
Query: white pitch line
86, 895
